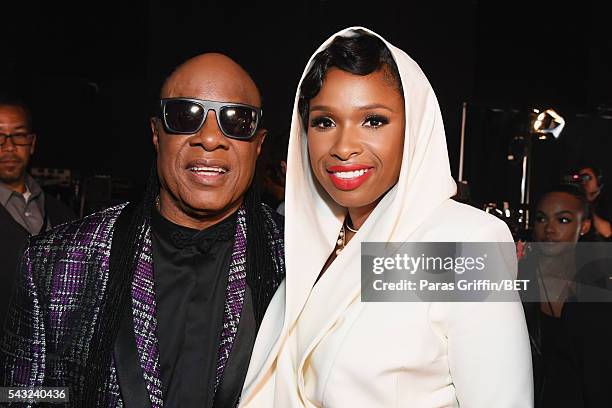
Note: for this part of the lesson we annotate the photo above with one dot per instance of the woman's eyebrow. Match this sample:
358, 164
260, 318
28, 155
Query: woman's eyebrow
325, 108
375, 106
321, 108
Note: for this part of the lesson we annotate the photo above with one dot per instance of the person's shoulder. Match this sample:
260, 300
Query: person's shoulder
467, 213
462, 222
59, 212
603, 206
277, 219
93, 229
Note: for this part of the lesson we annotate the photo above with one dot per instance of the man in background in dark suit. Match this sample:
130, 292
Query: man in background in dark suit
25, 210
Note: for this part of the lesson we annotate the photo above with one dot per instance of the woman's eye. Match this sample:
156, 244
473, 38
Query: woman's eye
540, 219
565, 220
322, 123
375, 121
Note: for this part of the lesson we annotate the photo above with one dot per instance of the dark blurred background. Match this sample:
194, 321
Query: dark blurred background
91, 73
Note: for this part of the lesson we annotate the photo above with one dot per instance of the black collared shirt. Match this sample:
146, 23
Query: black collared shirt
191, 269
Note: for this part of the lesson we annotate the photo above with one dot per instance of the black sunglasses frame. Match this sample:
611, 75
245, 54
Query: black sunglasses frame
6, 136
207, 106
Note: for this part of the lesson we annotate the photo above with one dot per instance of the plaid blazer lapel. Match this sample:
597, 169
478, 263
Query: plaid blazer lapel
144, 310
234, 295
145, 322
240, 328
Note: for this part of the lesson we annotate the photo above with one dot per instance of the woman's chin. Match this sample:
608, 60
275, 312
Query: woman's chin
352, 199
555, 249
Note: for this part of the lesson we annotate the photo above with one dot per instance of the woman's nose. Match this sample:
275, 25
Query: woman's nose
347, 145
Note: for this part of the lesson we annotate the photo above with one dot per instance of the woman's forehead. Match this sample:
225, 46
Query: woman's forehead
339, 84
560, 201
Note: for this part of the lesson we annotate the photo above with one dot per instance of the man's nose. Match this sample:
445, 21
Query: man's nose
8, 145
210, 136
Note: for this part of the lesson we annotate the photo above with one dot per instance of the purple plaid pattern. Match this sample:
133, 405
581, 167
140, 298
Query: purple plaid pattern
234, 297
58, 300
145, 322
55, 308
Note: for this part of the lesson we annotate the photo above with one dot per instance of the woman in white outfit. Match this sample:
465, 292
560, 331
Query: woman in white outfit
367, 153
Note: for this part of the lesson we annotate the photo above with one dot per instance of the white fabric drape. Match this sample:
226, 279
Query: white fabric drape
299, 356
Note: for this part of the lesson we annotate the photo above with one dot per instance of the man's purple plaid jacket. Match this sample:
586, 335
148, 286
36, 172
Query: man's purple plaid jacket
58, 298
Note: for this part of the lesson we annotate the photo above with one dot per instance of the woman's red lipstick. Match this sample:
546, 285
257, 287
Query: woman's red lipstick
350, 176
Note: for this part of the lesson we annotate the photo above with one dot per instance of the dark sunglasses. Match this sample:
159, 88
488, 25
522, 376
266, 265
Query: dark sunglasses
585, 177
186, 116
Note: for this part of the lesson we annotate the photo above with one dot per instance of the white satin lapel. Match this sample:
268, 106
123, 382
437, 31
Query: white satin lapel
337, 289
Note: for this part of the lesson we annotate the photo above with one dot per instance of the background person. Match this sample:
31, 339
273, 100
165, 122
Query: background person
561, 218
25, 209
593, 183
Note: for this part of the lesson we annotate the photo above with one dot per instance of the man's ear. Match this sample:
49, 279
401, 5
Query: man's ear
261, 136
33, 145
155, 133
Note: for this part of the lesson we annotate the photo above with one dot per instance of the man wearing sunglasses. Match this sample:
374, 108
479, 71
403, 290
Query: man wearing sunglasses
24, 208
158, 302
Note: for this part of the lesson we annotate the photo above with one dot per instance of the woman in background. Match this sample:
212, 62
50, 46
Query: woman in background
569, 329
367, 161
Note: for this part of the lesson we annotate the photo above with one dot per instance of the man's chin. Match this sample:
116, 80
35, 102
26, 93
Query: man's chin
202, 209
10, 177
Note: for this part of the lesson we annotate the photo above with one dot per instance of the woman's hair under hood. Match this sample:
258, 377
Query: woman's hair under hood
361, 54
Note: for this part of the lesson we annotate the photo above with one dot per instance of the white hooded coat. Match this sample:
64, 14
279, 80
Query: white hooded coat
320, 346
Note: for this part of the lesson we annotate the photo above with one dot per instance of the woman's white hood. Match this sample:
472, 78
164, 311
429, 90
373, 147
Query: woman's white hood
313, 219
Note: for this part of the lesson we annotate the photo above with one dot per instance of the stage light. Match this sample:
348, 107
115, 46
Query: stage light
548, 124
543, 125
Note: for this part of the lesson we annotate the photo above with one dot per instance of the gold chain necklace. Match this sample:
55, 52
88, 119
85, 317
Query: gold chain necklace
341, 242
349, 227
